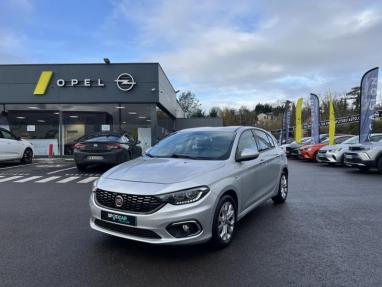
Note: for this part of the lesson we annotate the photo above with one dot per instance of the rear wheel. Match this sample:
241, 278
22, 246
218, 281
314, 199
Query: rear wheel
283, 189
27, 156
224, 225
379, 165
81, 167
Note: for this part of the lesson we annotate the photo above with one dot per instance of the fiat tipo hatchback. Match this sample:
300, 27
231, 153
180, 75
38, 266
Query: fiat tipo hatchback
191, 187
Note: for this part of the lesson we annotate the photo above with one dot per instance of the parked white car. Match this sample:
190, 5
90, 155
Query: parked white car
14, 148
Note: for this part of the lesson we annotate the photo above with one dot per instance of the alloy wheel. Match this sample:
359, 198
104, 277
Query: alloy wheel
284, 186
226, 221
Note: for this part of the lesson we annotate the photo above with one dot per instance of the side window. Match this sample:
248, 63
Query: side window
7, 135
271, 141
263, 140
247, 140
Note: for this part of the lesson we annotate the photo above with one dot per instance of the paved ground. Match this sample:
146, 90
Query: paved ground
327, 234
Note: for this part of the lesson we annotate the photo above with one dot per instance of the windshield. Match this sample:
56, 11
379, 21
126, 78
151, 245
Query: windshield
208, 145
352, 140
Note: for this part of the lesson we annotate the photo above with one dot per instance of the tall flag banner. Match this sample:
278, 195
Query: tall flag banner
332, 123
368, 99
285, 124
315, 118
298, 134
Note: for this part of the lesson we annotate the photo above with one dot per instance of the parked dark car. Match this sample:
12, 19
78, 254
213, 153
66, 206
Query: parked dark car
105, 149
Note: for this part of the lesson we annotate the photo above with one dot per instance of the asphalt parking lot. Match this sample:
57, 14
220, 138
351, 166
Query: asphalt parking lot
327, 234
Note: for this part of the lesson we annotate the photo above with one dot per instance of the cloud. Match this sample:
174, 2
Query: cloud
263, 51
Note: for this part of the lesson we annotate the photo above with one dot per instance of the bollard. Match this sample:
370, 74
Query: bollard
50, 150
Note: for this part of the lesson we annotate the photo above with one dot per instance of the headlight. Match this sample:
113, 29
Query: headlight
185, 196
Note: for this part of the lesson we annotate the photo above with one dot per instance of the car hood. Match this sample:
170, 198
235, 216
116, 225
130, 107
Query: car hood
335, 147
162, 170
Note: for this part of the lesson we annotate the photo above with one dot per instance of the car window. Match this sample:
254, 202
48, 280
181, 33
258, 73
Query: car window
340, 140
247, 140
7, 135
263, 140
205, 145
103, 139
375, 138
352, 140
271, 141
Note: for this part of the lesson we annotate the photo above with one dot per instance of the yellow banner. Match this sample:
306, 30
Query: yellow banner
332, 123
298, 134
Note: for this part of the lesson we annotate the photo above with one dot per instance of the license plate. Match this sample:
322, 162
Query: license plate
349, 156
95, 157
119, 218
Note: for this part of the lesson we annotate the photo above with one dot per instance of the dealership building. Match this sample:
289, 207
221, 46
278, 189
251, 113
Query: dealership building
56, 104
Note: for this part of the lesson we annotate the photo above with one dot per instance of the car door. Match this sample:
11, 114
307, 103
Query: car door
272, 161
250, 172
3, 148
12, 148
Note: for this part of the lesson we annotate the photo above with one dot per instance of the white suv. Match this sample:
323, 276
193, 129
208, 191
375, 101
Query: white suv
14, 148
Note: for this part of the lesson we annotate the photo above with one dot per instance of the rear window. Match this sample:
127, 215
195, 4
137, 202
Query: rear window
103, 139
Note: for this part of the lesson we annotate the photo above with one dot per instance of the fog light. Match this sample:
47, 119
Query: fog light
184, 229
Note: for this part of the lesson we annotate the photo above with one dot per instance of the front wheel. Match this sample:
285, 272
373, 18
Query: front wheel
27, 156
283, 189
224, 225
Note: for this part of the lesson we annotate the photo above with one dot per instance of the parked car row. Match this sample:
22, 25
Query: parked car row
346, 151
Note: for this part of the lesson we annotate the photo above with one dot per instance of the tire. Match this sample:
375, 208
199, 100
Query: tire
226, 206
81, 167
282, 194
379, 165
27, 156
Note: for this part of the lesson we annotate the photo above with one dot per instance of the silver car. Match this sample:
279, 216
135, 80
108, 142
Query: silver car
335, 154
192, 187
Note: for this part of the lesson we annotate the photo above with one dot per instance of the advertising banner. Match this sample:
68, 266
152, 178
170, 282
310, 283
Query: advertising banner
285, 124
298, 134
332, 123
368, 100
315, 118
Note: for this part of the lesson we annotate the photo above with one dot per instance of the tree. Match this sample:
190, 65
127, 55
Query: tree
199, 113
189, 103
214, 112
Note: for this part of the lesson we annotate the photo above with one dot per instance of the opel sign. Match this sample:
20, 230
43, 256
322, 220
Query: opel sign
125, 82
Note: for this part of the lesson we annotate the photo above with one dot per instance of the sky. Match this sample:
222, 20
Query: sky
229, 53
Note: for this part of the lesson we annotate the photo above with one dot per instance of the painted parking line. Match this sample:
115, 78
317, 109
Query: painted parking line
29, 178
10, 178
56, 171
89, 179
68, 179
20, 165
50, 178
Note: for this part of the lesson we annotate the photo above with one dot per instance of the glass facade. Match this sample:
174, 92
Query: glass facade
63, 125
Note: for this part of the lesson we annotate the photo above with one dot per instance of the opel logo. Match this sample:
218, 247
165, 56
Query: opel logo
125, 82
118, 201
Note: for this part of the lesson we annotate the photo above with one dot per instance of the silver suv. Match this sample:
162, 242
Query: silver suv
193, 186
365, 156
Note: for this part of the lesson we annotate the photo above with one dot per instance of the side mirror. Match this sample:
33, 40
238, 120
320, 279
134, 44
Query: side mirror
248, 154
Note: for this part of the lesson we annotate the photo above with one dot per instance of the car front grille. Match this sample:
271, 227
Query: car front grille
322, 151
131, 202
139, 232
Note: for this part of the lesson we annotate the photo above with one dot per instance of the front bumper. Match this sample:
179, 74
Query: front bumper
201, 212
358, 159
328, 157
